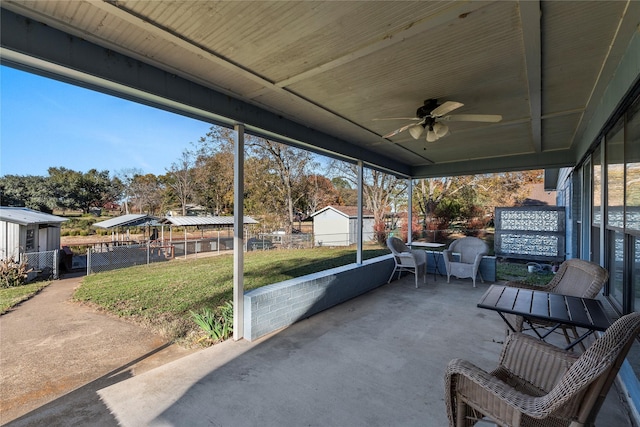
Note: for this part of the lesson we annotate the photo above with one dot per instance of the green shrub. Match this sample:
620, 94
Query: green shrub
12, 273
217, 325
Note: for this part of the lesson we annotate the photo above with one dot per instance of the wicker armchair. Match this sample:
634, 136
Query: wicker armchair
413, 261
471, 250
575, 277
536, 384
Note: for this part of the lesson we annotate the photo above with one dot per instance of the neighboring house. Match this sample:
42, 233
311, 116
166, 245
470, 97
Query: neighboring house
24, 230
337, 226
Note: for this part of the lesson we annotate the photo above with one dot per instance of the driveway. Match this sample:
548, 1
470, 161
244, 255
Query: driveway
53, 350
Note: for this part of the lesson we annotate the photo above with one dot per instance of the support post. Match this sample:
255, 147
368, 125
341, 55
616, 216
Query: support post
238, 238
360, 213
409, 209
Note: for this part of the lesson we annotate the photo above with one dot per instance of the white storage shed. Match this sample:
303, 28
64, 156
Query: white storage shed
337, 226
24, 230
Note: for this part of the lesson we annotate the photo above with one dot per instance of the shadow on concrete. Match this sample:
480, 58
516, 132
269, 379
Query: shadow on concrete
83, 405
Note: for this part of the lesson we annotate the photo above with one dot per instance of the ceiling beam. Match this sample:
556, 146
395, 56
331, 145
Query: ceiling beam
528, 161
530, 15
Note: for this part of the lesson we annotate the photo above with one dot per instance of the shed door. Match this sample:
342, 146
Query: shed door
42, 240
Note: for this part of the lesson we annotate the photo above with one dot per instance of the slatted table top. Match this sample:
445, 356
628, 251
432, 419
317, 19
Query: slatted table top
575, 311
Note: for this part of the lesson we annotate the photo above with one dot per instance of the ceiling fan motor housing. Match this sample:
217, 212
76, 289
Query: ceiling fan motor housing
427, 108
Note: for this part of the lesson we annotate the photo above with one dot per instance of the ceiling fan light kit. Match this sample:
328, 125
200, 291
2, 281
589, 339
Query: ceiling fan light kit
416, 131
440, 129
430, 115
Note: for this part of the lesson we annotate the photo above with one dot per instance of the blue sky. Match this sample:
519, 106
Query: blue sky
45, 123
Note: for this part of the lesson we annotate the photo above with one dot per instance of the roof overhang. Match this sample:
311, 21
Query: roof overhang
318, 76
129, 220
26, 216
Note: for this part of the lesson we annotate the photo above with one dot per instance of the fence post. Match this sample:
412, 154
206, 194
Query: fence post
55, 264
88, 261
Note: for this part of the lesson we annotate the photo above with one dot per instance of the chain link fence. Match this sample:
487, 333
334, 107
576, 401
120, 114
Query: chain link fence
126, 256
42, 264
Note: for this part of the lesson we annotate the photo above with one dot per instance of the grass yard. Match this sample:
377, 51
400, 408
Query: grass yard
10, 297
518, 271
161, 295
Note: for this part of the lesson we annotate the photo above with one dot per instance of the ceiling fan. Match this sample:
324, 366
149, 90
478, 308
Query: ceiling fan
431, 115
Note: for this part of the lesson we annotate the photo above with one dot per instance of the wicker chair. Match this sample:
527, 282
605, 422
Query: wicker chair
471, 250
537, 384
413, 261
575, 277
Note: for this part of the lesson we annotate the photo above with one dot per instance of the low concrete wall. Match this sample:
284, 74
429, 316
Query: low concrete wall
276, 306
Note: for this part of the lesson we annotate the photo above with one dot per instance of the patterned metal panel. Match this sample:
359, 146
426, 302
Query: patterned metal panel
532, 233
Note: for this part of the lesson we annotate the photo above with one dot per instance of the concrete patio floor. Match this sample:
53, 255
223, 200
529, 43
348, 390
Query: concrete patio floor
377, 360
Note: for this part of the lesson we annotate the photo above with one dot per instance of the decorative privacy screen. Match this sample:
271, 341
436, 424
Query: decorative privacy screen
534, 233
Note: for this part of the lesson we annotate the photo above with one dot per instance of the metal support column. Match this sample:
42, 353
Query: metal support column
238, 237
409, 209
360, 213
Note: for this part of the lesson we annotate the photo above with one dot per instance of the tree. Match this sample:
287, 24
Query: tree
213, 171
126, 177
378, 188
29, 191
443, 200
77, 190
148, 193
320, 193
285, 168
180, 178
348, 195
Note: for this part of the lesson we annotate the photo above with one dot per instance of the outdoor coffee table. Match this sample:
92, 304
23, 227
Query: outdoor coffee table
557, 309
433, 246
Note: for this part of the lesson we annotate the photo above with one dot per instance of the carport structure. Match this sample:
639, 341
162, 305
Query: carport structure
202, 223
564, 76
126, 222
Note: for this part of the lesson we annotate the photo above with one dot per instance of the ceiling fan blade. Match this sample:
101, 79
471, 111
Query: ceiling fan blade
402, 129
445, 108
486, 118
397, 118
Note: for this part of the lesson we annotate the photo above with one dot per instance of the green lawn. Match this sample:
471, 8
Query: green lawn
518, 271
161, 295
10, 297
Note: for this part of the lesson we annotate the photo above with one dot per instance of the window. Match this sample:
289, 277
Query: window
596, 198
632, 157
615, 176
30, 245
